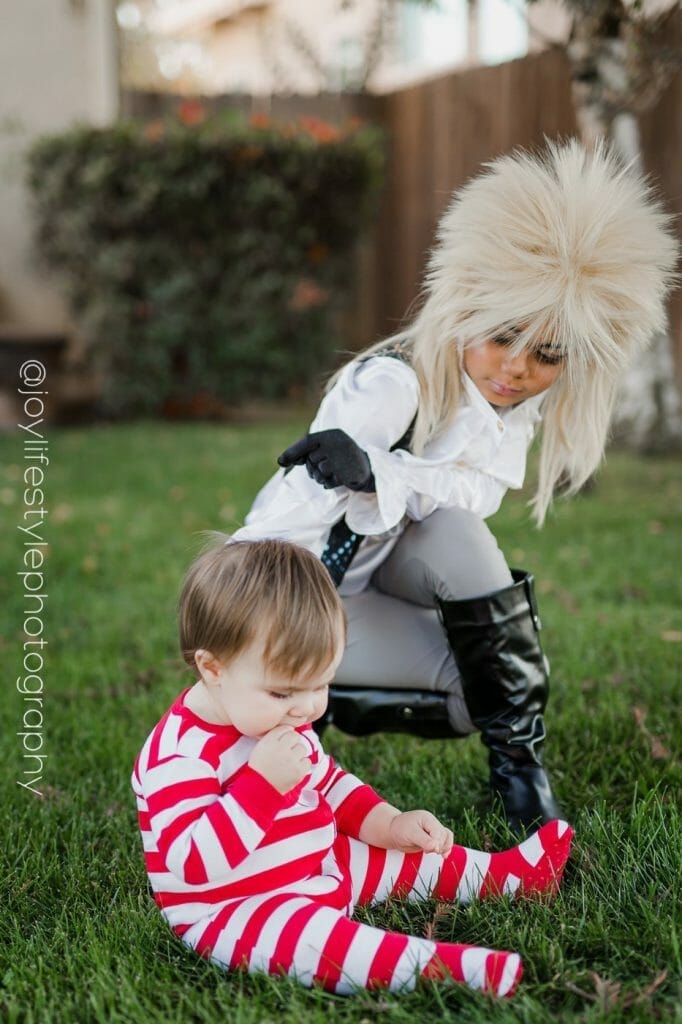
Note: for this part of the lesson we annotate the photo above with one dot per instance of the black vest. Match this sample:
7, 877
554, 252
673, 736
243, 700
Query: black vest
342, 543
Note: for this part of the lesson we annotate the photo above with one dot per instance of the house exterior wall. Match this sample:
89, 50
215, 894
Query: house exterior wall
58, 65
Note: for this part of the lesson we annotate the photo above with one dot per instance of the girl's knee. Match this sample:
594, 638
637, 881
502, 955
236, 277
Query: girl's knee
460, 550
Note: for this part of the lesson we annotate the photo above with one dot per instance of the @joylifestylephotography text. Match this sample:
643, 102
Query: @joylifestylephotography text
30, 682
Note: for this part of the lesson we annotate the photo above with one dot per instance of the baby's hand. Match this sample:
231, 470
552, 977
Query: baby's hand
281, 757
412, 831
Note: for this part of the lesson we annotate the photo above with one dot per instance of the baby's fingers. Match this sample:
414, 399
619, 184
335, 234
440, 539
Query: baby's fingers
446, 843
422, 839
440, 838
280, 732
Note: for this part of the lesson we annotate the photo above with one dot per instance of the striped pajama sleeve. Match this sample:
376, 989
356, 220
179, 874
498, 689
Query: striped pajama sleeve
201, 834
349, 797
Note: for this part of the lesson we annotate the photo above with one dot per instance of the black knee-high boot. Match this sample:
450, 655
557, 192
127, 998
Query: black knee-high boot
494, 640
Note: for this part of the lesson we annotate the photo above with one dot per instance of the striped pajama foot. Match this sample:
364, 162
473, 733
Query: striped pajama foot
487, 970
535, 866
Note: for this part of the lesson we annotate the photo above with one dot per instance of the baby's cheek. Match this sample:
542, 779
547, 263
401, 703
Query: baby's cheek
321, 706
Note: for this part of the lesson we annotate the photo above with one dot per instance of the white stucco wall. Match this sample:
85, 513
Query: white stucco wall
58, 65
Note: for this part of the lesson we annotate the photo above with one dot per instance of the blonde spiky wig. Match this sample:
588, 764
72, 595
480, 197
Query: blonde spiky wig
571, 250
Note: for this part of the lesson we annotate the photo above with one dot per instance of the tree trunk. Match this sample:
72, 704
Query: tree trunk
648, 414
648, 411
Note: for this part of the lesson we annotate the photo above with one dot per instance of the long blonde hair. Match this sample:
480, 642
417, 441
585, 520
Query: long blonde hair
567, 247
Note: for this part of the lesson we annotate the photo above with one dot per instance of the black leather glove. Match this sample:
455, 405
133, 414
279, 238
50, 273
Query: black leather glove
333, 459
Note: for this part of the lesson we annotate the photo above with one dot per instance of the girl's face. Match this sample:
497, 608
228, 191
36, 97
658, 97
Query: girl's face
504, 379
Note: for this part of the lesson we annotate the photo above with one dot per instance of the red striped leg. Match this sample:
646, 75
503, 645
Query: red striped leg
316, 944
534, 866
376, 873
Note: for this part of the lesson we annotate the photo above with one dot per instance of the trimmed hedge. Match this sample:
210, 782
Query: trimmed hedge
205, 258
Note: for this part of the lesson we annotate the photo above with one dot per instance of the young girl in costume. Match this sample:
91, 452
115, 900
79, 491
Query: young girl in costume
257, 845
548, 276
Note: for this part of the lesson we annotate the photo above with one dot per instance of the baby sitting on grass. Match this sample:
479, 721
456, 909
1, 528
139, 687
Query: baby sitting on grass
258, 846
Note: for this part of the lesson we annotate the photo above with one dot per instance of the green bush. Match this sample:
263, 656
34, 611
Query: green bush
205, 258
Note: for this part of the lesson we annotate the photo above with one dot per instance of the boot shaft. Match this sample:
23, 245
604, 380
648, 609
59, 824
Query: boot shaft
496, 644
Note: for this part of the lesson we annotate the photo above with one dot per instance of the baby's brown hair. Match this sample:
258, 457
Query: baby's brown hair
239, 590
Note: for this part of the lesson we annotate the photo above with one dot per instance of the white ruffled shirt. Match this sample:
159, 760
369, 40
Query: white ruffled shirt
470, 465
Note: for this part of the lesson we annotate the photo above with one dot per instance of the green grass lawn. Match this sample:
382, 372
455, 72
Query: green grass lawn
83, 940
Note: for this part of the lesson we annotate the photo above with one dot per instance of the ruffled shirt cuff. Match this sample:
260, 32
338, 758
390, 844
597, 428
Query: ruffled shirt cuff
403, 487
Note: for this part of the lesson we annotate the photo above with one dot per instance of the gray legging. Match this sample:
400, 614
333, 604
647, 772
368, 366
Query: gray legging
395, 639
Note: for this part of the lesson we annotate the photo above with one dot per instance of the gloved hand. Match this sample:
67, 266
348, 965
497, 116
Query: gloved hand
333, 459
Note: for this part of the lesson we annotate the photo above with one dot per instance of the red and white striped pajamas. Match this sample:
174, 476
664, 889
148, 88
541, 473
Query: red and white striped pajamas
252, 878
